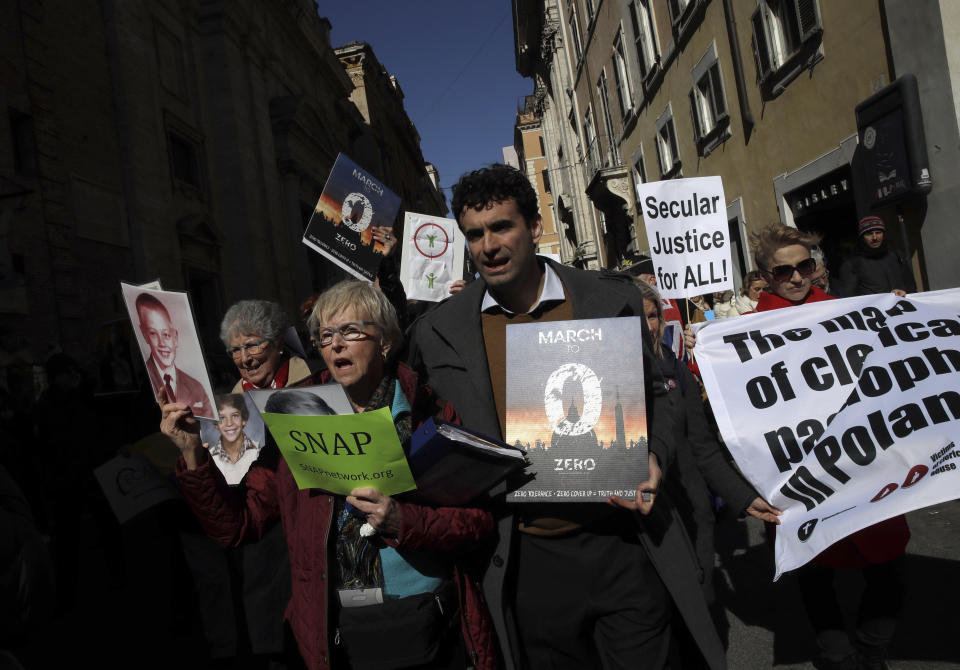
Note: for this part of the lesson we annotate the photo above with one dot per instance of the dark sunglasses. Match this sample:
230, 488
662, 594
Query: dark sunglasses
785, 272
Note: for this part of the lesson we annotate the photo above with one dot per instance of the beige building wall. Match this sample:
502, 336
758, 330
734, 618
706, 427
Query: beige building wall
812, 116
530, 154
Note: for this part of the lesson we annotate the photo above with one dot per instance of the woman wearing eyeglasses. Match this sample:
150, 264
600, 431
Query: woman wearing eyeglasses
416, 557
783, 255
252, 331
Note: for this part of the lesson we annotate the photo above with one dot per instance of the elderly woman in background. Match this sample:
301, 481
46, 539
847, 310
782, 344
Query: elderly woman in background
753, 285
416, 558
252, 331
259, 572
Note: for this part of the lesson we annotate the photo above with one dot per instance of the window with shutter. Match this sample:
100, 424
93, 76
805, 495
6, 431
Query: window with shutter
808, 14
695, 112
621, 76
784, 32
641, 18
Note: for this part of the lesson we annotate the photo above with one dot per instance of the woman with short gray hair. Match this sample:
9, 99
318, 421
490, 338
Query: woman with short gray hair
252, 331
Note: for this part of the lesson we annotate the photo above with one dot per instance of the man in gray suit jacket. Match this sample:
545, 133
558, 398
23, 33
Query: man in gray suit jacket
569, 585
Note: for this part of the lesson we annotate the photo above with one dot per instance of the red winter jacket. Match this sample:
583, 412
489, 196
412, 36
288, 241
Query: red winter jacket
878, 543
307, 516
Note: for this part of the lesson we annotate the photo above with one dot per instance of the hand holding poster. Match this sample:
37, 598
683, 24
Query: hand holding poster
432, 256
351, 203
686, 221
842, 413
576, 405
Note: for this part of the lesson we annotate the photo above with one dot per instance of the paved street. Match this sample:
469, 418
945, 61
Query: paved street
143, 613
767, 627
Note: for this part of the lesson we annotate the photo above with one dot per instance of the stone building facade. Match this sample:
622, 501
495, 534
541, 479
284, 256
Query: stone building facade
186, 141
531, 159
760, 92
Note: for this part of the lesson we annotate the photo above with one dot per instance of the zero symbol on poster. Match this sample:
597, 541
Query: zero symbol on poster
555, 407
434, 238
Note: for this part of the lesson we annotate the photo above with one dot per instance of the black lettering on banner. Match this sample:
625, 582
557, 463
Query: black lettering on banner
858, 445
805, 488
814, 380
761, 393
361, 439
293, 436
828, 452
321, 443
340, 444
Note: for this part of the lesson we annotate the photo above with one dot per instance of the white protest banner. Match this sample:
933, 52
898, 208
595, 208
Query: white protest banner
432, 256
842, 413
686, 222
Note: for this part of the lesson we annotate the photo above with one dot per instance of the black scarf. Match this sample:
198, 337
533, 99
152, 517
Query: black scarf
358, 558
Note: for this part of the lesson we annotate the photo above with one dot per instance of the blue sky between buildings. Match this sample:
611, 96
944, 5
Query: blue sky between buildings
455, 63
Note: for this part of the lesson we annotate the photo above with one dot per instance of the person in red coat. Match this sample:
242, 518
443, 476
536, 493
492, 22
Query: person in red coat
417, 556
783, 255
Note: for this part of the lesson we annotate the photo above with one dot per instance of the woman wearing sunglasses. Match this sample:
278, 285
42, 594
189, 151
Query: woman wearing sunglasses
783, 255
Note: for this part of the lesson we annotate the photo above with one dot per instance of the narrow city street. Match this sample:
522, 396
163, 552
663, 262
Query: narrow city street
767, 627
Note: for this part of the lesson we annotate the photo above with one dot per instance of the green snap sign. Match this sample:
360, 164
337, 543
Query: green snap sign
342, 452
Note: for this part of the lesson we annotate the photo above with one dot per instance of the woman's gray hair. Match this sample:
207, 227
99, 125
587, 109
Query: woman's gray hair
368, 303
253, 317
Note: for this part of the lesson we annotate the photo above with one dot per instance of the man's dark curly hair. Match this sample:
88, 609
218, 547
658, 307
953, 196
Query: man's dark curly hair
495, 183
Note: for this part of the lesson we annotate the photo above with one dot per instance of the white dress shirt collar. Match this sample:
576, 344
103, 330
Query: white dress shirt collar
552, 292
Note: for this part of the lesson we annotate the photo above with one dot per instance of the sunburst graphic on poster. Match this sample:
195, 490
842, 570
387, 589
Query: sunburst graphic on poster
356, 212
576, 404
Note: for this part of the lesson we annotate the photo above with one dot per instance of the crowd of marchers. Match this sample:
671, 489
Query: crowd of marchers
625, 584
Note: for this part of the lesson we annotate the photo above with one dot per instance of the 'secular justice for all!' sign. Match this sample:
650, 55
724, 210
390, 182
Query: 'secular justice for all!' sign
352, 201
686, 221
576, 404
842, 413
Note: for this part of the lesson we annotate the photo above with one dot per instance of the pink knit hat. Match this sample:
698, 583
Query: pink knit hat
869, 223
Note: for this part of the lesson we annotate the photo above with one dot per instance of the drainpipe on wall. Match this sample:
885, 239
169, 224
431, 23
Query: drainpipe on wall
745, 114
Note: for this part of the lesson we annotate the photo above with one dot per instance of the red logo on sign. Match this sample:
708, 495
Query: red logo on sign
433, 239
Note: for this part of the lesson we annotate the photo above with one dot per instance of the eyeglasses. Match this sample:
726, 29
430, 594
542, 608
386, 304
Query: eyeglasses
252, 348
350, 332
785, 272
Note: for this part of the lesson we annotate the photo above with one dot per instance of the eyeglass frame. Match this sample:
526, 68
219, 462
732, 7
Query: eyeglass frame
317, 337
774, 271
249, 347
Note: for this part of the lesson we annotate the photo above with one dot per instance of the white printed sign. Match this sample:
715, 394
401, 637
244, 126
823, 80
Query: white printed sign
132, 484
842, 413
686, 221
432, 256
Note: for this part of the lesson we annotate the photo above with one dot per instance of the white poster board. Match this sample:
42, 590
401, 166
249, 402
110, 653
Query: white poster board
131, 485
842, 413
432, 256
169, 342
686, 221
